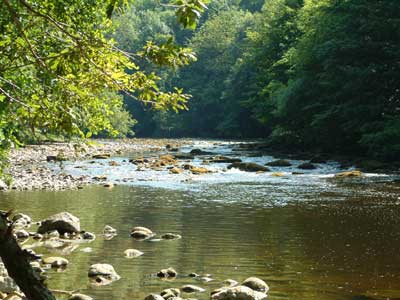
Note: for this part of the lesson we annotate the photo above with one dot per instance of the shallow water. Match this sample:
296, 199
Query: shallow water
309, 236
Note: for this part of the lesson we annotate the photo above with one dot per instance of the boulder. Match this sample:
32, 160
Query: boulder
307, 166
18, 217
248, 167
167, 159
102, 274
79, 297
279, 163
154, 297
354, 173
7, 284
56, 262
238, 293
62, 222
131, 253
164, 273
256, 284
190, 288
193, 275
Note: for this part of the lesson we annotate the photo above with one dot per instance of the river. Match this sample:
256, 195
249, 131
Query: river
309, 236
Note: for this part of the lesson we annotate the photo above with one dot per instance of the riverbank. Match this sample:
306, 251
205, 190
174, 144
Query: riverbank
30, 169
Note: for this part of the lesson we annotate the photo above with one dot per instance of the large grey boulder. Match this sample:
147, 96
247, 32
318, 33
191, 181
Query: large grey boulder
238, 293
63, 222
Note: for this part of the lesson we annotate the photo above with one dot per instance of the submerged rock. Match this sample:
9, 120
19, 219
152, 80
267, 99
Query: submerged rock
88, 236
164, 273
62, 222
108, 230
279, 163
256, 284
200, 152
248, 167
101, 156
171, 236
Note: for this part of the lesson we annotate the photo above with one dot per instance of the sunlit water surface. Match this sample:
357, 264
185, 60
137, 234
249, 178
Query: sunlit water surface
308, 236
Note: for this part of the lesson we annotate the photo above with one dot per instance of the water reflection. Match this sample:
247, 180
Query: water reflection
339, 242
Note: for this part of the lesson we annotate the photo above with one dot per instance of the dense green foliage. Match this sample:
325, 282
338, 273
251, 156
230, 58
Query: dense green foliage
61, 73
317, 75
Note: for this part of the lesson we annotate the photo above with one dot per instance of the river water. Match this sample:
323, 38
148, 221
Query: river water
308, 236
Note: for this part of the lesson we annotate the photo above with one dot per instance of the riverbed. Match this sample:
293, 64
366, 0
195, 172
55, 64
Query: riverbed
309, 235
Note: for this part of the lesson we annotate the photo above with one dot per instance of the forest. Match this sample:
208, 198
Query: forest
316, 75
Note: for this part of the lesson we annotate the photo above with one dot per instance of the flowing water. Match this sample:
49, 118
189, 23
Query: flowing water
308, 236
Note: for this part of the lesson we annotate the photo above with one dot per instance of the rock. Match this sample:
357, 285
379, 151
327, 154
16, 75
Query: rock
62, 222
230, 282
175, 170
277, 174
101, 156
199, 170
200, 152
37, 236
141, 232
194, 275
167, 159
108, 185
18, 217
297, 173
189, 288
164, 273
256, 284
7, 284
248, 167
131, 253
238, 293
279, 163
224, 159
108, 230
171, 236
56, 262
21, 234
3, 186
80, 297
113, 163
52, 234
307, 166
354, 173
154, 297
138, 161
88, 236
102, 274
169, 293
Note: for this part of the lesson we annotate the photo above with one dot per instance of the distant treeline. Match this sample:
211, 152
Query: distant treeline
318, 75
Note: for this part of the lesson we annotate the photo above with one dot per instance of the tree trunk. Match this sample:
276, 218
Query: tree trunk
18, 265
